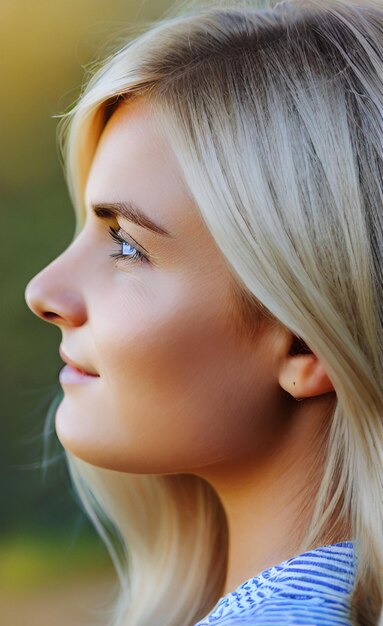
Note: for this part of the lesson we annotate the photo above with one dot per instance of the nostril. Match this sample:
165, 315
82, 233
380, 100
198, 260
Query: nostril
56, 306
49, 315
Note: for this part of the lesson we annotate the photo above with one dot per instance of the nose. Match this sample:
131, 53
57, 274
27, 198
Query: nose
52, 303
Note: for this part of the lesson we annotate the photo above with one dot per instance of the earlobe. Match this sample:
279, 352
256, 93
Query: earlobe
302, 373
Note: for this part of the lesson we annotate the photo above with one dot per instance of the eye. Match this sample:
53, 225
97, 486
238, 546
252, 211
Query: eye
128, 251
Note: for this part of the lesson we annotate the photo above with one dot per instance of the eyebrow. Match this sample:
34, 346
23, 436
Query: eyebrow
130, 211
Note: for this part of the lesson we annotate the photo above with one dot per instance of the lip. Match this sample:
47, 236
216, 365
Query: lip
70, 375
75, 368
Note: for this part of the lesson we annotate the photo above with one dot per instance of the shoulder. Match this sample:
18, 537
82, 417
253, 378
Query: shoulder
275, 612
291, 613
312, 588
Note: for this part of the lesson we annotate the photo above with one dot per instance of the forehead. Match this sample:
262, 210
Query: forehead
134, 124
134, 161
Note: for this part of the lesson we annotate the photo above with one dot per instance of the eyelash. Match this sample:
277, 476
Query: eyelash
136, 257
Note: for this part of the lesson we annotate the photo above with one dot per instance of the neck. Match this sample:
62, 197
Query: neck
268, 502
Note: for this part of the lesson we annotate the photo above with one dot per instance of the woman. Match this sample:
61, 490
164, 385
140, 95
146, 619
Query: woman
222, 296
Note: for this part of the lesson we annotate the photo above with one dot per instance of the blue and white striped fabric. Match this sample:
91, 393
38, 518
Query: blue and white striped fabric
310, 589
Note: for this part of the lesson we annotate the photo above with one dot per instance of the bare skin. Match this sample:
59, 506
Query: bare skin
177, 390
265, 502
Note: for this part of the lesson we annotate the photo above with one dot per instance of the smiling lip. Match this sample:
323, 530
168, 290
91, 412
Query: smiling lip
71, 376
75, 367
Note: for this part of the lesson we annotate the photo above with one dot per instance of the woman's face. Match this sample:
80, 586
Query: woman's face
178, 389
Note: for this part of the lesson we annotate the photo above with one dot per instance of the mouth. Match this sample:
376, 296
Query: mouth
71, 375
74, 368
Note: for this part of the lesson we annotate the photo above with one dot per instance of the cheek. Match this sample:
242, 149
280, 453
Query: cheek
144, 324
162, 354
174, 392
158, 344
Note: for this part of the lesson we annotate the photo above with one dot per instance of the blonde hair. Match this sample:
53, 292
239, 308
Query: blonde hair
274, 112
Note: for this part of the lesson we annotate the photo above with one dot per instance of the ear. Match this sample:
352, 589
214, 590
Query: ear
301, 372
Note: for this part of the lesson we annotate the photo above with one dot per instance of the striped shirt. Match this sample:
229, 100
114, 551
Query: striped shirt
310, 589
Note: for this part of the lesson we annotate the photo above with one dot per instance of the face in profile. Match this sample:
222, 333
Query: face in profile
176, 389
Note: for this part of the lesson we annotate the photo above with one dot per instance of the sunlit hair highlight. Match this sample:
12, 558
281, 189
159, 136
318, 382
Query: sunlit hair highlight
274, 112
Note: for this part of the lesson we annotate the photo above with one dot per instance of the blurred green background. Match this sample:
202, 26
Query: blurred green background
53, 567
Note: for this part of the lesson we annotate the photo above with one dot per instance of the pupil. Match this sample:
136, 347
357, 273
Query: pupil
127, 248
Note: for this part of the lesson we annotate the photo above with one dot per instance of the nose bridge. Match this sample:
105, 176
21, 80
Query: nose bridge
54, 294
